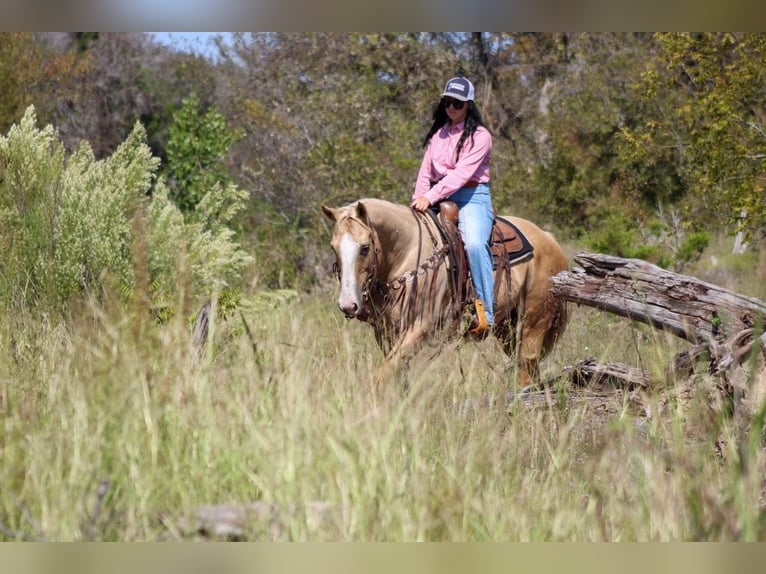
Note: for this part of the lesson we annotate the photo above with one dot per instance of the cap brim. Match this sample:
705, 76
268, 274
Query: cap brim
456, 96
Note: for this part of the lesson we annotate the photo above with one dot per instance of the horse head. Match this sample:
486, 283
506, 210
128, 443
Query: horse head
356, 258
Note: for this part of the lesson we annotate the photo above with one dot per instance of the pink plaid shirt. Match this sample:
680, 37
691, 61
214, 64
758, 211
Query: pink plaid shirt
439, 162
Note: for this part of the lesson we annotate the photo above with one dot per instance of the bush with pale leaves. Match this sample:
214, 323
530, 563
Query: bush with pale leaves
70, 223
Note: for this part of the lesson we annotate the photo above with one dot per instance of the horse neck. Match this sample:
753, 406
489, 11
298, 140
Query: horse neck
399, 234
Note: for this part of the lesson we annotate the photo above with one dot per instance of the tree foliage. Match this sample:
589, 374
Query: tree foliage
707, 91
124, 77
326, 118
660, 135
34, 73
198, 144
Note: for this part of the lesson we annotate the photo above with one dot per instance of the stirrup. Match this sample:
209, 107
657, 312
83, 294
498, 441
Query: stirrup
481, 319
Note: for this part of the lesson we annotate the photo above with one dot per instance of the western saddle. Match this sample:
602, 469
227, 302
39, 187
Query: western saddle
508, 246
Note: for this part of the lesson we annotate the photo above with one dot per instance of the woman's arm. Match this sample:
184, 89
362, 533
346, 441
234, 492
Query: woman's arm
472, 159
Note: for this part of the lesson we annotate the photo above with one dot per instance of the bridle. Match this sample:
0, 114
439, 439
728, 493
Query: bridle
388, 289
371, 280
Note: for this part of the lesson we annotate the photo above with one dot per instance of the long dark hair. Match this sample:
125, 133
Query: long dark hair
472, 121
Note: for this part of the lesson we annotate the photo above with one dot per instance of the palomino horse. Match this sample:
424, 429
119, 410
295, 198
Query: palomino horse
393, 271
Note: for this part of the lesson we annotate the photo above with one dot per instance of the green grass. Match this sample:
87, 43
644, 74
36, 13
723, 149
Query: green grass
293, 416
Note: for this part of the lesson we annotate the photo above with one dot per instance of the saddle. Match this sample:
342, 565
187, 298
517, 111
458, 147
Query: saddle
508, 246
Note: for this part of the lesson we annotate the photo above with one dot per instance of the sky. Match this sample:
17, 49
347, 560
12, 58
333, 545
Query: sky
196, 42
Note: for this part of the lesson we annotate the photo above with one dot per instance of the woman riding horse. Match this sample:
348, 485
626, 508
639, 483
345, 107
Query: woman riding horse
456, 166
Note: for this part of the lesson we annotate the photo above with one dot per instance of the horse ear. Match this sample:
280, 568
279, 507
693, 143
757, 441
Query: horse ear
361, 212
330, 213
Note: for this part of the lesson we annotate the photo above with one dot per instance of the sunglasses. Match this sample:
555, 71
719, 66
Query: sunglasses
457, 104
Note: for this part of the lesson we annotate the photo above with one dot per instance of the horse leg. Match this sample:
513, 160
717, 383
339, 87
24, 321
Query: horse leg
522, 338
529, 360
395, 362
538, 332
528, 352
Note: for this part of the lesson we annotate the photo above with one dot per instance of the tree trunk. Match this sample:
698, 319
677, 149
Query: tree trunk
740, 246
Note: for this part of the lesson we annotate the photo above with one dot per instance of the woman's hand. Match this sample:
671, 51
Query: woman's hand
420, 203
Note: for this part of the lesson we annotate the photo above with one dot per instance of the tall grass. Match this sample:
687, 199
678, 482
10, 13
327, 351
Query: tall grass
114, 428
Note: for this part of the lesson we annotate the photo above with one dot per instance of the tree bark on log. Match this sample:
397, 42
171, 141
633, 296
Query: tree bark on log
588, 373
688, 307
260, 520
721, 324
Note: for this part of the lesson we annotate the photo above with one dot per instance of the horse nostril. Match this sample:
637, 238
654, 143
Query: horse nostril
349, 310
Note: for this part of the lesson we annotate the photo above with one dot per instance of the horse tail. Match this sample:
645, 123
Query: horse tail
559, 320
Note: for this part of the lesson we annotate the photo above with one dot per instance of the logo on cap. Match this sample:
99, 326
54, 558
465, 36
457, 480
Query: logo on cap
460, 88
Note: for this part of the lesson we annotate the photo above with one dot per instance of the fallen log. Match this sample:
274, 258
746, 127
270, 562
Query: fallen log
721, 356
723, 325
599, 390
683, 305
259, 520
588, 373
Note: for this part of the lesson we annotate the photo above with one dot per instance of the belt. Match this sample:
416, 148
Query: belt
468, 184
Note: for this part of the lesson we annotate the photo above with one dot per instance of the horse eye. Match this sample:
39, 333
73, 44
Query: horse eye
364, 249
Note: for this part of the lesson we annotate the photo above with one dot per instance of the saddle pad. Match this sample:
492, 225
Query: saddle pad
508, 243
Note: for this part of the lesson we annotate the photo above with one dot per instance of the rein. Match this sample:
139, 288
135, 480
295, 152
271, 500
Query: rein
437, 256
409, 276
393, 292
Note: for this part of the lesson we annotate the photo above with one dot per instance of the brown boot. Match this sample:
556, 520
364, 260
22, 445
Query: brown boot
478, 324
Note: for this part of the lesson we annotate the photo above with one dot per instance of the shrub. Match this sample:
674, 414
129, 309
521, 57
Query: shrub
74, 224
619, 237
668, 245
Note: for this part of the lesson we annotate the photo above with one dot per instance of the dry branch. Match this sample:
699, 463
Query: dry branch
201, 327
720, 355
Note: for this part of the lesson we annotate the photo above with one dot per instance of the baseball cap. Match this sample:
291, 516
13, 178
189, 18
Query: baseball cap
459, 88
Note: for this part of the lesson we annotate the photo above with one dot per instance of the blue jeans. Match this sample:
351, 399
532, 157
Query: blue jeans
475, 224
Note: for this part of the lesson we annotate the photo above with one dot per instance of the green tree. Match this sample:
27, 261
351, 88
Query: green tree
33, 73
197, 149
706, 91
326, 118
125, 77
581, 99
